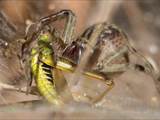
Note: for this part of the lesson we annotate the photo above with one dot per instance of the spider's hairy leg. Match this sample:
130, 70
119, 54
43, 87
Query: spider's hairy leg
148, 66
69, 26
109, 66
110, 85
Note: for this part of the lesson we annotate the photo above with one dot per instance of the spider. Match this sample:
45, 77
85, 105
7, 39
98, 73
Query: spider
54, 51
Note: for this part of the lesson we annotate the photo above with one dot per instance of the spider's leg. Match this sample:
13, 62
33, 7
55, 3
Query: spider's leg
115, 68
68, 67
147, 66
110, 85
69, 26
117, 55
32, 32
111, 68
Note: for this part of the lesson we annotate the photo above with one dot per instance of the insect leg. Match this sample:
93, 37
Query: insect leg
28, 76
29, 83
34, 63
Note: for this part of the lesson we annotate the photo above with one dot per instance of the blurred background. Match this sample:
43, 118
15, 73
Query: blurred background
134, 93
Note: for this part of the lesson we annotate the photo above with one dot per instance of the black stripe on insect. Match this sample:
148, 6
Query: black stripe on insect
48, 72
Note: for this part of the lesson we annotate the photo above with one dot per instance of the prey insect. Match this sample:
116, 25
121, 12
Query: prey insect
41, 58
42, 64
55, 51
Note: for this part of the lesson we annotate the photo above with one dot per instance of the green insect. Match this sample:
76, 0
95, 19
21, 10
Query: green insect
53, 51
42, 66
40, 60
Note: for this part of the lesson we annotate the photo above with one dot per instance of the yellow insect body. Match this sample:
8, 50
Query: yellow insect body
42, 64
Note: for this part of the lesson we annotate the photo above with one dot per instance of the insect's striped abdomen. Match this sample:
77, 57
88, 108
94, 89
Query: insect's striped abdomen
42, 64
45, 83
